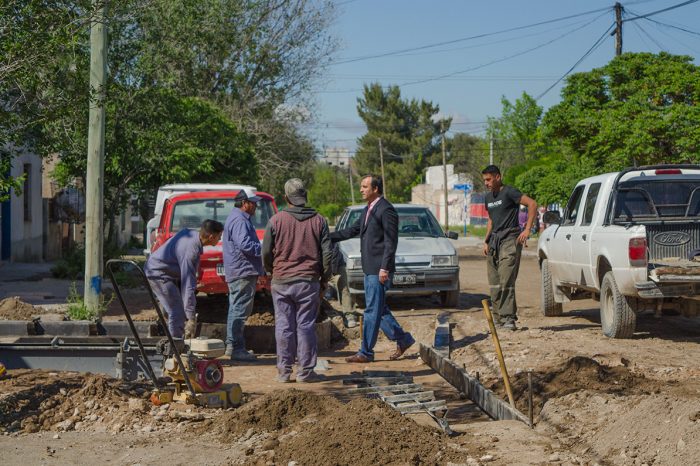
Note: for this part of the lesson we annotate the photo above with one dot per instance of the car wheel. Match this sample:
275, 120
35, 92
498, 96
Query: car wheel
550, 307
617, 312
449, 298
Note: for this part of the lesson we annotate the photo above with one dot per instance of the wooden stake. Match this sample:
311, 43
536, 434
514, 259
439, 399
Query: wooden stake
499, 353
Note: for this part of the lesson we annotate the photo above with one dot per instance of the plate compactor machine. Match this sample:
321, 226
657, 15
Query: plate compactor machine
191, 372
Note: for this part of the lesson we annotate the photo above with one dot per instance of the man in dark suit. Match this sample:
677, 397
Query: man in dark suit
378, 228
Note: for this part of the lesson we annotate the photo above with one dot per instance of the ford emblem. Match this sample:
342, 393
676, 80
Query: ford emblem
671, 238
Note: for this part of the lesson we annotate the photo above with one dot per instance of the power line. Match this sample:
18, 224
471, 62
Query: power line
658, 44
673, 27
515, 55
595, 45
463, 39
663, 10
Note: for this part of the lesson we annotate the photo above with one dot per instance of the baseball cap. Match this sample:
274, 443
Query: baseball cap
247, 194
295, 191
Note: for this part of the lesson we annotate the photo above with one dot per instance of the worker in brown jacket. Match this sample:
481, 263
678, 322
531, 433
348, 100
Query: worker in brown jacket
297, 253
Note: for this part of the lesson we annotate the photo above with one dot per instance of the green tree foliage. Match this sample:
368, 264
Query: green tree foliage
409, 133
196, 91
515, 133
329, 191
640, 108
469, 154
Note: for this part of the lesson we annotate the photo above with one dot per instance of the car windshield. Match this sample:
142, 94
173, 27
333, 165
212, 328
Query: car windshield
651, 198
413, 221
191, 214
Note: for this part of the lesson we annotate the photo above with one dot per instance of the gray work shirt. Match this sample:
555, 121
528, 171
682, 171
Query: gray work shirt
178, 259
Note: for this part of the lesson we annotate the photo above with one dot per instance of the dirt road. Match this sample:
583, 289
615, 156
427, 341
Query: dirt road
621, 402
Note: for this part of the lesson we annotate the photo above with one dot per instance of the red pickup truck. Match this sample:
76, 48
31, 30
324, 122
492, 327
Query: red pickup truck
190, 210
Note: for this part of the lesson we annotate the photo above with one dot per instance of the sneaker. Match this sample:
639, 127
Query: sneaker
243, 355
229, 351
311, 378
509, 325
283, 378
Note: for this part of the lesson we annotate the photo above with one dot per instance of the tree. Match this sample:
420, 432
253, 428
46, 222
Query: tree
206, 98
409, 132
469, 154
515, 132
329, 191
640, 108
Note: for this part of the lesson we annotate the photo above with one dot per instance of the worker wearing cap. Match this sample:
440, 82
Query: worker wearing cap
242, 266
172, 274
297, 252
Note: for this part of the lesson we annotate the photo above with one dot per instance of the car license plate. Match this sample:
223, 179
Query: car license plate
220, 270
405, 279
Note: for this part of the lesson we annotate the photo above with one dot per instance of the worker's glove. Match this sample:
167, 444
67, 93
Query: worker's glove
190, 328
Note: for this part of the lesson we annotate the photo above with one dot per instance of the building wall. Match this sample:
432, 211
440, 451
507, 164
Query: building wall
26, 211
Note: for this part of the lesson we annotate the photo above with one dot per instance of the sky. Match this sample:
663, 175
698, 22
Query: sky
466, 77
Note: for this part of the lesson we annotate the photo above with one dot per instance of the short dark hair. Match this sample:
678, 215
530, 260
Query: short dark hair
491, 170
211, 227
376, 182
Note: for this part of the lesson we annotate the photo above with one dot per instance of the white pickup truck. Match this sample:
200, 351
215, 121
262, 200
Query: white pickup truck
630, 239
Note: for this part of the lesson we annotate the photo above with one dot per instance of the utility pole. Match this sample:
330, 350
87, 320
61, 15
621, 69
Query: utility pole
618, 29
95, 160
490, 148
381, 162
352, 188
444, 177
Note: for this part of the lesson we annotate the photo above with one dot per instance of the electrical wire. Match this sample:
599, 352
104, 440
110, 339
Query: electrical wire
673, 27
658, 44
515, 55
595, 45
663, 10
463, 39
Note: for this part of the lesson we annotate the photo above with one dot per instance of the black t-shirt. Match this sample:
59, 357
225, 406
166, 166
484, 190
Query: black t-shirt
503, 208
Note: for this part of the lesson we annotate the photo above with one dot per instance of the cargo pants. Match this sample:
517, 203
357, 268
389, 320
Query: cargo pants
502, 266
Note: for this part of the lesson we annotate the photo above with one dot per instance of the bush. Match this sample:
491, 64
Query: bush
72, 265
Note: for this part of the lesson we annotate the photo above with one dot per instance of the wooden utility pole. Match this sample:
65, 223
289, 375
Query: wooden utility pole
352, 188
618, 29
381, 162
444, 177
95, 160
491, 149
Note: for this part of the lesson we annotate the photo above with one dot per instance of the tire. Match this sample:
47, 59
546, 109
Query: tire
550, 307
449, 298
617, 312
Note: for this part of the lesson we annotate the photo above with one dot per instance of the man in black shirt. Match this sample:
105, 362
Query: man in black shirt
504, 243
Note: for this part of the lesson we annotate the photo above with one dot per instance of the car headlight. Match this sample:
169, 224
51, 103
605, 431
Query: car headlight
444, 261
353, 263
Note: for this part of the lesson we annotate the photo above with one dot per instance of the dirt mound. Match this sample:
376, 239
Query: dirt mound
576, 374
15, 309
33, 401
299, 426
271, 412
366, 432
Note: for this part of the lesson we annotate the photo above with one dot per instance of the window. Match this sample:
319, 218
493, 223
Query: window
589, 207
191, 214
573, 206
27, 192
654, 198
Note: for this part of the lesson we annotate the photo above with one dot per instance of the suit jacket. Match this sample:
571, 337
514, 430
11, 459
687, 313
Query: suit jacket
379, 237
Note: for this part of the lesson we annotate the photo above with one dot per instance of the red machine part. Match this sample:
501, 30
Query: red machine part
209, 374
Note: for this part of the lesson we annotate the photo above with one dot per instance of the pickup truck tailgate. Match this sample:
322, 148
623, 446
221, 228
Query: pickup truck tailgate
670, 246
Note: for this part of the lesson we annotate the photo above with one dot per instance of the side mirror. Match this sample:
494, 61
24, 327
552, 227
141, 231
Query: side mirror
551, 217
451, 234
